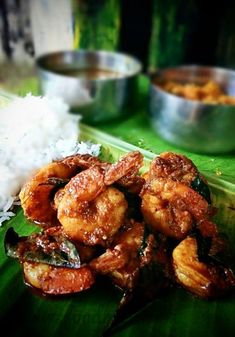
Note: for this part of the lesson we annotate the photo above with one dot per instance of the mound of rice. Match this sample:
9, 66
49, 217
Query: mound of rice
34, 131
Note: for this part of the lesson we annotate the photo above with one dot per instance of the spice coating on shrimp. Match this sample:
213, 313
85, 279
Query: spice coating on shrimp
173, 166
91, 211
125, 246
57, 280
131, 250
126, 168
171, 207
203, 279
35, 195
114, 222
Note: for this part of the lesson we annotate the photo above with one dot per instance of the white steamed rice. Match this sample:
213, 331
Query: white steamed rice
34, 131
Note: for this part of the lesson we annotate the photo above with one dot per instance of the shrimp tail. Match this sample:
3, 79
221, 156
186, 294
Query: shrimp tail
128, 164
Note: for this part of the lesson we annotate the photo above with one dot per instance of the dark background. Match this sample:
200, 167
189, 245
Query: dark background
158, 32
209, 25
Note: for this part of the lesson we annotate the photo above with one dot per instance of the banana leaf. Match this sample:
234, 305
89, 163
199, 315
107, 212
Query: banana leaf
174, 313
24, 312
178, 313
96, 24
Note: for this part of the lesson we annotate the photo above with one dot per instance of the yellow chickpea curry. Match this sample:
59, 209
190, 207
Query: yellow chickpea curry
208, 93
153, 229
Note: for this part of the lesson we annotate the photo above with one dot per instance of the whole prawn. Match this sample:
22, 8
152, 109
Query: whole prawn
91, 210
36, 194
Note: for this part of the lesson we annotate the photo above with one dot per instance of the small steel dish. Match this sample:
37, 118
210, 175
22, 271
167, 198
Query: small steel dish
97, 99
193, 125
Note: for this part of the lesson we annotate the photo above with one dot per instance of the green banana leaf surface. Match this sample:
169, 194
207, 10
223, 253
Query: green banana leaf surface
174, 313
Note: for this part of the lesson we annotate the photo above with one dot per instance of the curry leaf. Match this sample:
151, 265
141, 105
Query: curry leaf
52, 249
202, 188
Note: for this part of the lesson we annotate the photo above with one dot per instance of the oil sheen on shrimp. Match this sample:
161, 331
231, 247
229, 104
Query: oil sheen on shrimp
132, 249
35, 195
125, 244
202, 279
173, 166
91, 211
57, 280
172, 207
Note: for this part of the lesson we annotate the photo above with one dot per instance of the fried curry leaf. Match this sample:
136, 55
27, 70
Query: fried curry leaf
151, 285
202, 188
50, 248
203, 246
215, 252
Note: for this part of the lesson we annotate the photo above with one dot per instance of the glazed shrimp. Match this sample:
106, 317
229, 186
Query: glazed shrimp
131, 181
125, 169
50, 262
35, 195
174, 166
172, 207
122, 261
91, 211
125, 245
204, 280
57, 280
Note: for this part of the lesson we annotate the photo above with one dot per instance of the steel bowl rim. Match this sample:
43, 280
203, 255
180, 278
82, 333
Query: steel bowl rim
43, 68
194, 103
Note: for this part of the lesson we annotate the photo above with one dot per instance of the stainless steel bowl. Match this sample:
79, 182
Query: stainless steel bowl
99, 98
193, 125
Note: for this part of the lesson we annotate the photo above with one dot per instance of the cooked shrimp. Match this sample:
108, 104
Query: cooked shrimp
57, 198
113, 259
208, 228
57, 280
125, 244
127, 166
128, 276
91, 211
128, 169
83, 161
123, 261
179, 168
172, 207
35, 195
174, 166
198, 277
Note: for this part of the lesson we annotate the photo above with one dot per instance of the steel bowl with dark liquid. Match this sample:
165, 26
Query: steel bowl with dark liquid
189, 124
99, 85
